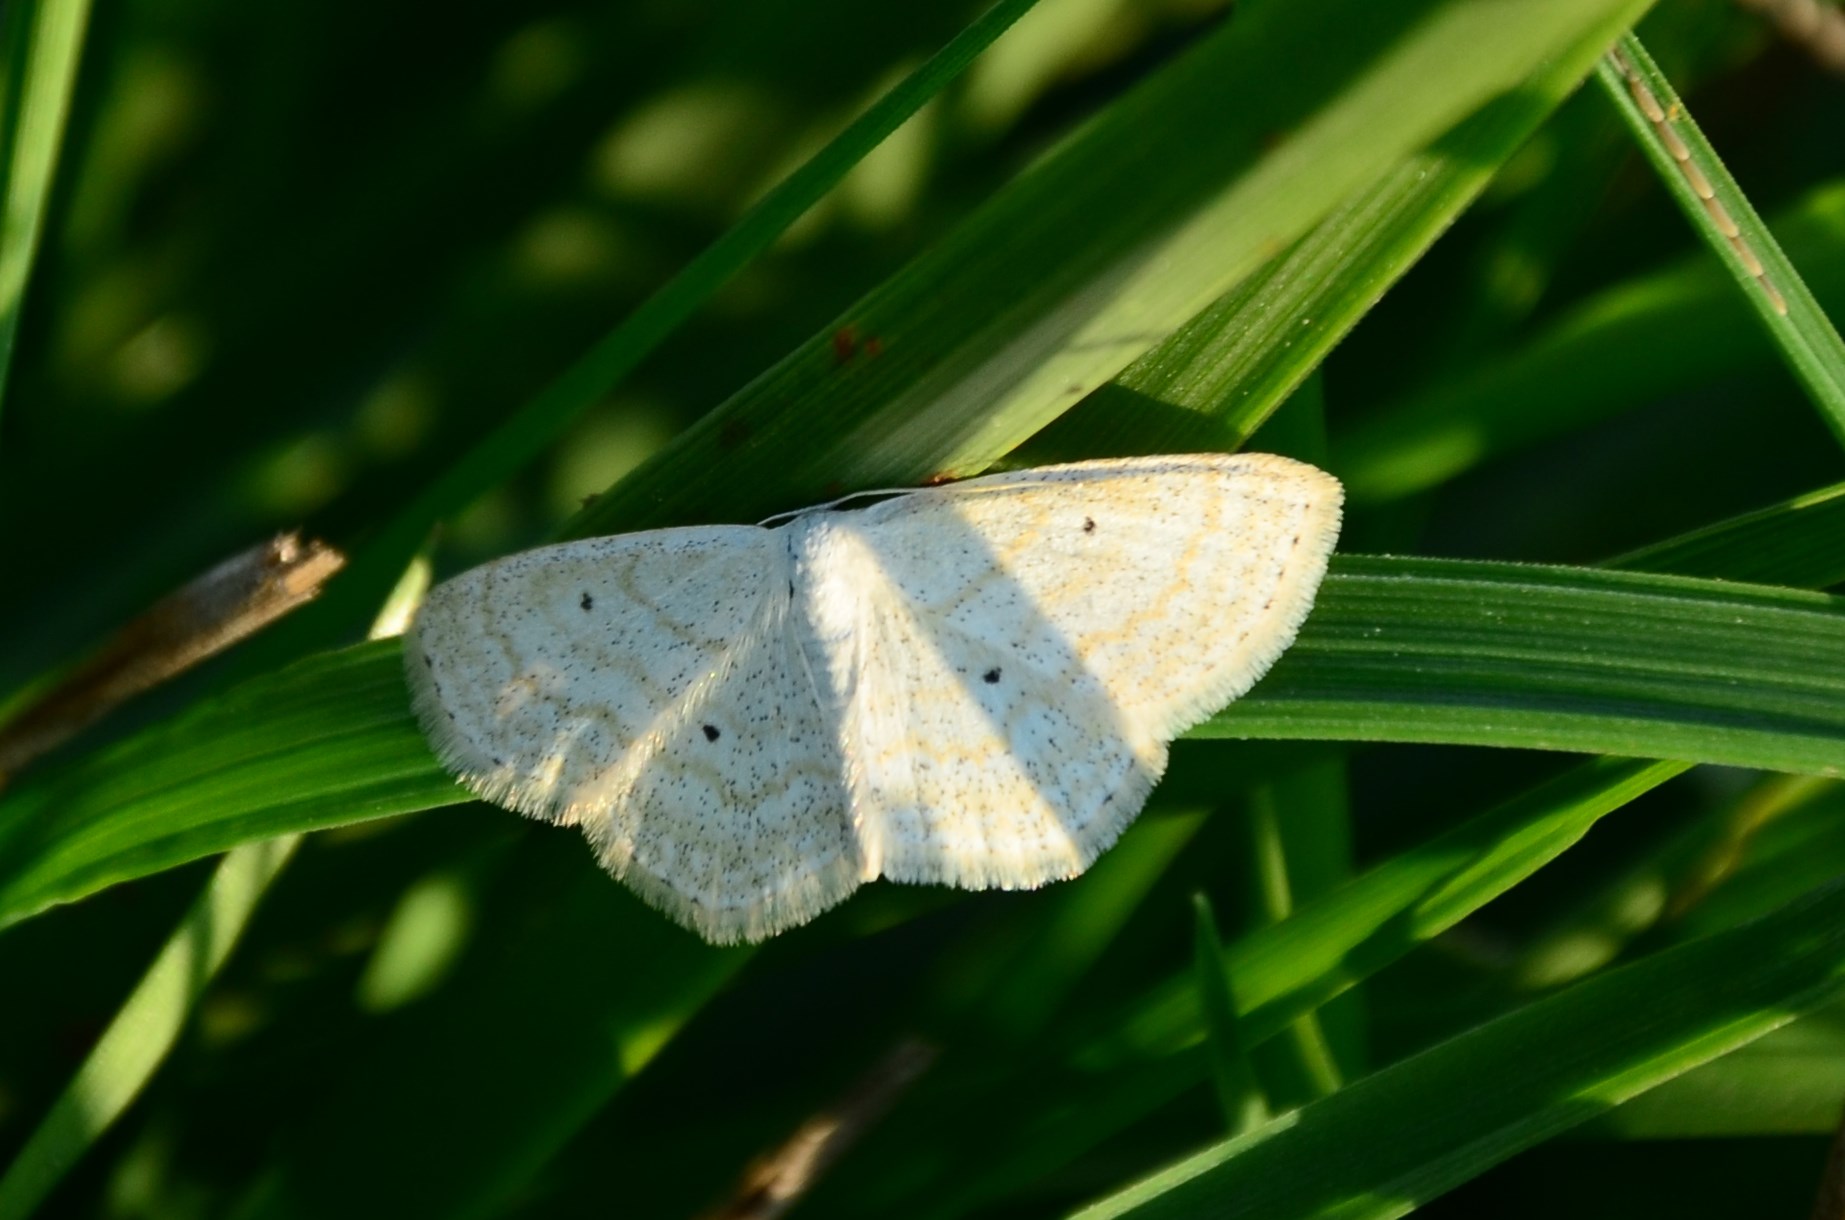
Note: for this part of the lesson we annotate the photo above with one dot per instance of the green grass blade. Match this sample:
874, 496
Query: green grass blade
1097, 254
1672, 876
1552, 1066
1406, 650
1238, 1094
148, 1024
1214, 382
323, 743
1302, 1065
44, 41
1558, 659
526, 434
1670, 331
1723, 216
1375, 918
571, 991
145, 1028
1284, 970
1760, 546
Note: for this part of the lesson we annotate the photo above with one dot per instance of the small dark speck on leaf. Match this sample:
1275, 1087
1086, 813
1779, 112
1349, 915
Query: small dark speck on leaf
588, 602
733, 433
1088, 525
991, 676
711, 732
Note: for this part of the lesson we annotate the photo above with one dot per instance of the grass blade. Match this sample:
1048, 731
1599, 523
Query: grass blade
1135, 225
1760, 545
1723, 216
1406, 650
1364, 669
509, 447
1238, 1094
145, 1028
44, 41
1667, 332
1553, 1065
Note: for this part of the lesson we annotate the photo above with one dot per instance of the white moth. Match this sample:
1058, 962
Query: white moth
972, 684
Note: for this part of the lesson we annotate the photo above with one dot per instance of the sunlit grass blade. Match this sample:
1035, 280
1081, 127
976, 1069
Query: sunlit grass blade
1102, 250
145, 1028
1722, 214
1404, 650
1787, 1083
327, 742
1792, 1080
1639, 674
44, 42
1214, 382
1552, 1066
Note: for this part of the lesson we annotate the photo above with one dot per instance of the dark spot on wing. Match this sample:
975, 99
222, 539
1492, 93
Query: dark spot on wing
991, 676
711, 732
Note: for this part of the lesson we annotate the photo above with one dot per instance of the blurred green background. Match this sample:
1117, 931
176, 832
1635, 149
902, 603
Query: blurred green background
300, 257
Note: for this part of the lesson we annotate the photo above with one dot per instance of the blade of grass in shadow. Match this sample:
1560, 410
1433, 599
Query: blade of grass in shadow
524, 435
1300, 1062
44, 42
1723, 216
1600, 924
1238, 1094
1552, 1065
145, 1027
1760, 546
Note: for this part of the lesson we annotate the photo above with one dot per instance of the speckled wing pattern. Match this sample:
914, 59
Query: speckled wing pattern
973, 684
650, 689
1011, 655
